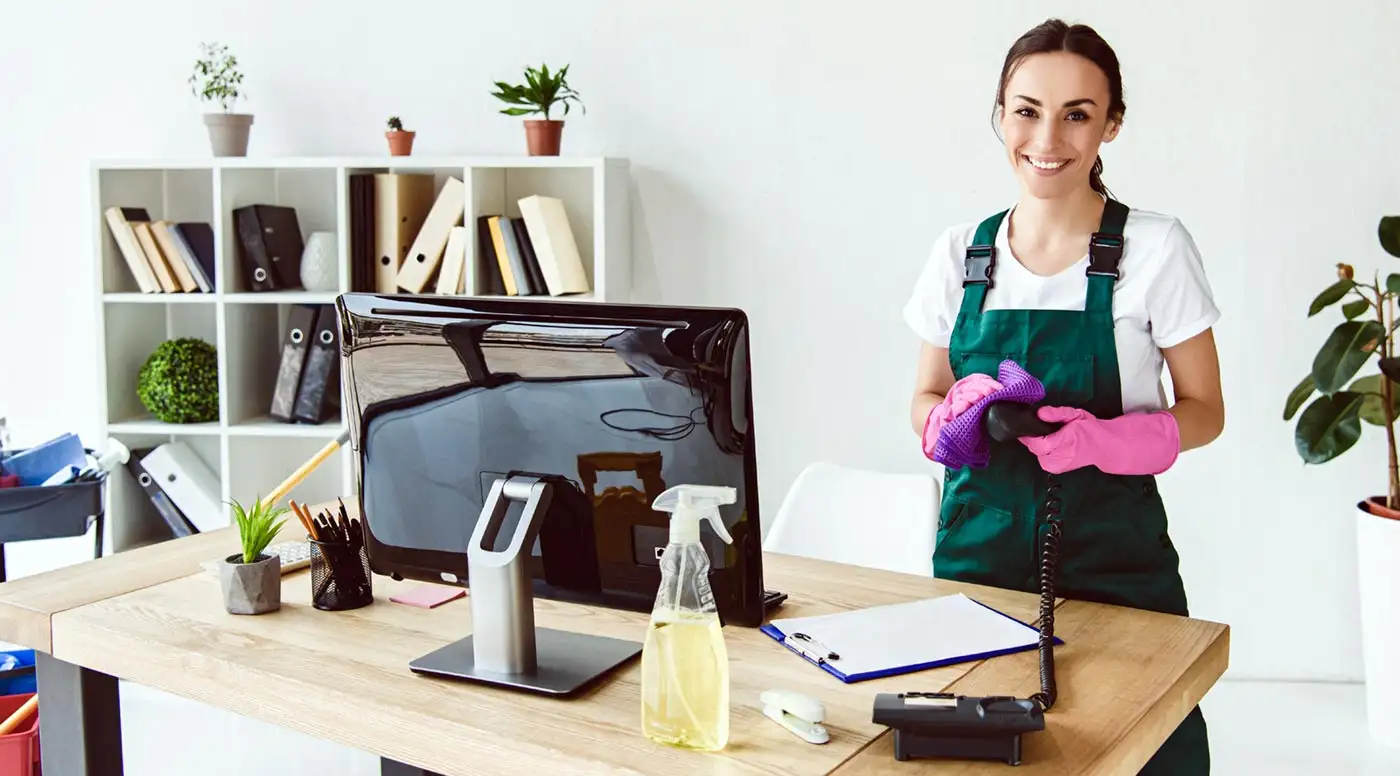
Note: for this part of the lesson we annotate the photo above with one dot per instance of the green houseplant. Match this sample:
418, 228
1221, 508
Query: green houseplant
540, 93
400, 139
179, 381
217, 80
252, 578
1331, 424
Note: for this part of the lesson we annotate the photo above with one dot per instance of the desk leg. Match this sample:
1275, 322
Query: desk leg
389, 767
80, 726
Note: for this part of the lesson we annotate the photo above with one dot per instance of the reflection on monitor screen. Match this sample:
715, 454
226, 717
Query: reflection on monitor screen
445, 395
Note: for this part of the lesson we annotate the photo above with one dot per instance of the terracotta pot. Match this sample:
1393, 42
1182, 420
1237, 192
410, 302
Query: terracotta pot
400, 142
542, 136
1376, 506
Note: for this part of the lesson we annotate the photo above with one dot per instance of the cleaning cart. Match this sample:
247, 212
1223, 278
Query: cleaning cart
52, 511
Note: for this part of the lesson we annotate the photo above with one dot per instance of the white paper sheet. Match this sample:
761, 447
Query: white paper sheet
899, 638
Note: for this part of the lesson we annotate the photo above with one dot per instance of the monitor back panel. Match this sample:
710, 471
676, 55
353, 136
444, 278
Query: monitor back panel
612, 403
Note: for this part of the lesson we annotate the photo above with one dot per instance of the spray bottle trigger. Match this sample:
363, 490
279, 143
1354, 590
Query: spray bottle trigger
695, 503
718, 525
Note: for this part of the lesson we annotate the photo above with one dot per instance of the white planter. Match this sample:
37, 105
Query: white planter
1378, 575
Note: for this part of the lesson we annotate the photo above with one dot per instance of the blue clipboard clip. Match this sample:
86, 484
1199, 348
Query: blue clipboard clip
810, 648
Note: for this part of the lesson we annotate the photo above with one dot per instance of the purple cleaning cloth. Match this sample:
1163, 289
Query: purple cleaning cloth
963, 441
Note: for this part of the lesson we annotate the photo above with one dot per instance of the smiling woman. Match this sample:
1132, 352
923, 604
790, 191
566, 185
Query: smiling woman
1094, 298
1077, 75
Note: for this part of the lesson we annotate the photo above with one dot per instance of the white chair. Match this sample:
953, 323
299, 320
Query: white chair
867, 518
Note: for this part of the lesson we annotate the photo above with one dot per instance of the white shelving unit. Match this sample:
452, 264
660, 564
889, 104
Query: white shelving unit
248, 451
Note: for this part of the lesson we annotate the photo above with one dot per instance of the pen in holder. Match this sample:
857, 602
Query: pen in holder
340, 575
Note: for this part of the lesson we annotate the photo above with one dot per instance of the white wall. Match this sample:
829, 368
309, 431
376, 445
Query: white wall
796, 159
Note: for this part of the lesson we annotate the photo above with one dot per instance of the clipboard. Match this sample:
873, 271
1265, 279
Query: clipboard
903, 638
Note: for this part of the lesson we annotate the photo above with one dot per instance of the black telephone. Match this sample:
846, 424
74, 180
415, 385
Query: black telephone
945, 725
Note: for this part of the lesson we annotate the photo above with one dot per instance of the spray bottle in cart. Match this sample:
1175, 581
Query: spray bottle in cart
685, 666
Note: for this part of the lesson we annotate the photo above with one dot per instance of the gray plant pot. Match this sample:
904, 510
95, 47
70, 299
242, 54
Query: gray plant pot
228, 132
251, 588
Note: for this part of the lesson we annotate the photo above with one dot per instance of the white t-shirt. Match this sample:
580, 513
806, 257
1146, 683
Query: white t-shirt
1161, 299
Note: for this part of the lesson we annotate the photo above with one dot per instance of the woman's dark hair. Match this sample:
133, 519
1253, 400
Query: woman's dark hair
1055, 35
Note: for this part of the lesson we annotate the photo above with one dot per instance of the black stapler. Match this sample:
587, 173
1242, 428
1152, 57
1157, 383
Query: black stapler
944, 725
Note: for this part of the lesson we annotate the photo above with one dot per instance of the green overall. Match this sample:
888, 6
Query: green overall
1114, 548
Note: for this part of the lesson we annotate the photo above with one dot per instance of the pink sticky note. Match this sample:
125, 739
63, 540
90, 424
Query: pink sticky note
428, 596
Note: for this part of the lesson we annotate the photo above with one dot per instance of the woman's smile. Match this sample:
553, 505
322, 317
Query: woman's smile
1045, 165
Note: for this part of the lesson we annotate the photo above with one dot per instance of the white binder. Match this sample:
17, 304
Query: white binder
189, 482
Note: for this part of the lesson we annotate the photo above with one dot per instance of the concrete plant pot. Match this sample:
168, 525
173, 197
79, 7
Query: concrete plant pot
251, 588
228, 132
1378, 578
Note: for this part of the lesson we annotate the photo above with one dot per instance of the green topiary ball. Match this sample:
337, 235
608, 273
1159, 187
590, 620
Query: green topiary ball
179, 383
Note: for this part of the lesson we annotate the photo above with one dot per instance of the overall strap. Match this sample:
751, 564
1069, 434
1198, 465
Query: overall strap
979, 264
1105, 251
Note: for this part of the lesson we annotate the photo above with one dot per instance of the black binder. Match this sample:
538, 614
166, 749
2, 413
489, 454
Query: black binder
164, 507
319, 396
301, 325
269, 246
362, 232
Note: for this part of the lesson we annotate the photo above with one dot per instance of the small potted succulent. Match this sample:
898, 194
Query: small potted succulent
541, 91
400, 139
252, 578
216, 79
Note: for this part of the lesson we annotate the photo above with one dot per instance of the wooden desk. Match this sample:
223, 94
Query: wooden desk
152, 616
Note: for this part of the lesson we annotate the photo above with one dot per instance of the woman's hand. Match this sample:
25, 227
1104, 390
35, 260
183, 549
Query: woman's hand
964, 393
1136, 443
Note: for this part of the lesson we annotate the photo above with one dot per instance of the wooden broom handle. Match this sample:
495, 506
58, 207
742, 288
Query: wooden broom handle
21, 714
305, 469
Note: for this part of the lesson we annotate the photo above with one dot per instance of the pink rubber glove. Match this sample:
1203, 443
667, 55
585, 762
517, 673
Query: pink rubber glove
1136, 443
964, 393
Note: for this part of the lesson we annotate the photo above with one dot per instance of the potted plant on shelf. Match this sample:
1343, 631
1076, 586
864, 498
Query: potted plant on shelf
400, 139
1331, 425
541, 91
252, 579
179, 381
216, 79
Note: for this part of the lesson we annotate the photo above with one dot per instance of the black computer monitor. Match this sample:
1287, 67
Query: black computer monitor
615, 403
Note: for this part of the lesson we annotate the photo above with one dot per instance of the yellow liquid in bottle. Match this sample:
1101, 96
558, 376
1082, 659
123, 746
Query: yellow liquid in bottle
685, 682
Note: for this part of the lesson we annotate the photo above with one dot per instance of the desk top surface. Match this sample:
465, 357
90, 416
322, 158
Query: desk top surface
153, 616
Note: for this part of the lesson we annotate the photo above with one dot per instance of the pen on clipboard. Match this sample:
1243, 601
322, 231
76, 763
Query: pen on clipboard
810, 647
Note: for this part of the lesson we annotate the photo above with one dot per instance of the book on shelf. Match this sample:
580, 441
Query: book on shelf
404, 238
163, 256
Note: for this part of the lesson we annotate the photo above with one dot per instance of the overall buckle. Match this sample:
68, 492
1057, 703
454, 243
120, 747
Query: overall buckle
978, 265
1105, 251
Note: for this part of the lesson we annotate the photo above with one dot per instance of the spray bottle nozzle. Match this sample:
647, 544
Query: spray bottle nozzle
688, 504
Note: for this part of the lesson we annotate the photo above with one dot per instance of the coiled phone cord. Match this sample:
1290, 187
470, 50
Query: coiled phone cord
1049, 560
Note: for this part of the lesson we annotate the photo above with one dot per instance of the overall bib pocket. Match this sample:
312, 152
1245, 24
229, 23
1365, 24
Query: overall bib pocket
974, 541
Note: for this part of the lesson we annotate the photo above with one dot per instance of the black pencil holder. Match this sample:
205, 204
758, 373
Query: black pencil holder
340, 576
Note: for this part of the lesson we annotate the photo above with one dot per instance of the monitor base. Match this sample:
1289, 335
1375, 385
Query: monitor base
566, 662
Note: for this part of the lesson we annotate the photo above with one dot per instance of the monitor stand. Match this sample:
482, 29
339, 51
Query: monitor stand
505, 648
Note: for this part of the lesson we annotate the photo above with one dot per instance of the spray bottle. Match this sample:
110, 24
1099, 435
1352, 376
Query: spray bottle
685, 666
